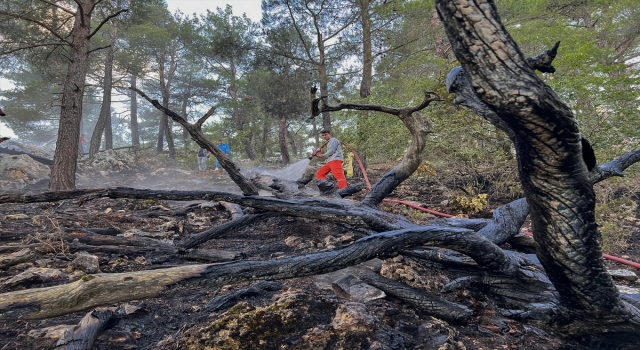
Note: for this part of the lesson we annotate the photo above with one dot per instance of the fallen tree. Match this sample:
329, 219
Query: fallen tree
563, 288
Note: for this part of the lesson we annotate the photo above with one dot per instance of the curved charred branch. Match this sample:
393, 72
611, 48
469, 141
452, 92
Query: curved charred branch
221, 230
321, 107
344, 212
615, 167
507, 221
46, 196
91, 291
419, 128
548, 143
505, 224
422, 300
194, 129
413, 121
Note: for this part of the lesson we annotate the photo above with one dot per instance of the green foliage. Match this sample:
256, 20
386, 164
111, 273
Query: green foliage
611, 216
594, 74
471, 204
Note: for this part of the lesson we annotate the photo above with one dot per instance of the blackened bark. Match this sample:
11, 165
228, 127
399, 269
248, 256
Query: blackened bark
87, 331
554, 176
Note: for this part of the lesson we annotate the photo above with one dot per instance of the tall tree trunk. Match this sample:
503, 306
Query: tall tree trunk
440, 44
282, 140
162, 122
135, 133
367, 56
108, 133
249, 145
65, 158
104, 119
103, 125
165, 88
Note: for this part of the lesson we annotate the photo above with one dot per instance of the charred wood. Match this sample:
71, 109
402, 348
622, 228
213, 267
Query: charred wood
422, 300
83, 335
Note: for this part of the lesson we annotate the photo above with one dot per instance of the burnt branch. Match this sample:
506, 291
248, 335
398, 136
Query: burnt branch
232, 169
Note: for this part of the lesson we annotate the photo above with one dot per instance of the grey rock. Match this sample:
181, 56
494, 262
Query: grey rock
86, 262
352, 288
623, 274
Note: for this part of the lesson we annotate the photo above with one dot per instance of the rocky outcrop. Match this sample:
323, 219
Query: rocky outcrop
18, 171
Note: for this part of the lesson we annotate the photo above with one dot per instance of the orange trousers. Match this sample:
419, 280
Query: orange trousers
335, 167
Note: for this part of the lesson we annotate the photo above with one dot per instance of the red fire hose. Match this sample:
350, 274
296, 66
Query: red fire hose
409, 204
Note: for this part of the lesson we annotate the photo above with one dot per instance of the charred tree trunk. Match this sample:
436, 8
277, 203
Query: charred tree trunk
554, 176
186, 137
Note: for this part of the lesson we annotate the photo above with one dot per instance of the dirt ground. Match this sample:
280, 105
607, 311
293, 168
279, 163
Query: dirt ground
301, 314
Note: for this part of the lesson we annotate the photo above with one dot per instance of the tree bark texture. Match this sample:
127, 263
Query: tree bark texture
548, 144
63, 172
367, 55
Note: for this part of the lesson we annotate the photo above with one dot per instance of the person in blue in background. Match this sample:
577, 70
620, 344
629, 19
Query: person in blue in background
225, 149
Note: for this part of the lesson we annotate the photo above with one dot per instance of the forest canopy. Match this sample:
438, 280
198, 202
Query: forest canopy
259, 73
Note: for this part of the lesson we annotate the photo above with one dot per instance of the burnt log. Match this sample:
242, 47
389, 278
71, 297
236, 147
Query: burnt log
221, 230
93, 239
